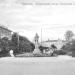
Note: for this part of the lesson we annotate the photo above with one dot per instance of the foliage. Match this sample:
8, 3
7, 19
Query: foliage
21, 44
33, 46
43, 48
25, 55
68, 35
59, 52
53, 46
18, 44
42, 55
33, 55
4, 46
69, 47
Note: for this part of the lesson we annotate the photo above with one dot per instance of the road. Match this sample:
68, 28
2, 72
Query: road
37, 66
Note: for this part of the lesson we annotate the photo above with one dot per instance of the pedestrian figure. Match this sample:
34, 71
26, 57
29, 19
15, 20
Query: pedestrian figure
11, 53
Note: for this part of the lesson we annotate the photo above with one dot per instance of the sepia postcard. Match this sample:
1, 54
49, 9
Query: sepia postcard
37, 37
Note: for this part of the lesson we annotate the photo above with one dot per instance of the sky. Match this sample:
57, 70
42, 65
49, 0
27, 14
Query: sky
27, 20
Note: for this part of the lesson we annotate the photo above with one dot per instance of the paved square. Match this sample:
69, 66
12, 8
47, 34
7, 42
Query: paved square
37, 66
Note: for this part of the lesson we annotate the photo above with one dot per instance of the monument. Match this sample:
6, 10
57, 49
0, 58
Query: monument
36, 50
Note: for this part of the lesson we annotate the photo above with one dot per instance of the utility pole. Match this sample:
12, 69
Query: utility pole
18, 40
41, 36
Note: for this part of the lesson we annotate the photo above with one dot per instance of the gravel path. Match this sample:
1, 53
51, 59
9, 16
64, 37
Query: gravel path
37, 66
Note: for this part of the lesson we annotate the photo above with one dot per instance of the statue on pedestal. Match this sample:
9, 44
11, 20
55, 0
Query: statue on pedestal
36, 50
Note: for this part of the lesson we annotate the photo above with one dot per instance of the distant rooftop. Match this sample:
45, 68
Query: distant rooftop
54, 40
4, 27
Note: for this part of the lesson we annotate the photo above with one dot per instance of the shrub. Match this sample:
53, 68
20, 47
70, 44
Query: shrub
60, 52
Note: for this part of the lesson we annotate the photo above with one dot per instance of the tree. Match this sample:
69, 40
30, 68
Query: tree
4, 46
14, 43
21, 44
18, 44
33, 46
69, 47
68, 35
43, 48
53, 47
25, 44
73, 48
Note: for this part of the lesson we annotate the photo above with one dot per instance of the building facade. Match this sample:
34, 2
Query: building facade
58, 43
5, 32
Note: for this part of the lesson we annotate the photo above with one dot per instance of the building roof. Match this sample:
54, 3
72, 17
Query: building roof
54, 41
5, 28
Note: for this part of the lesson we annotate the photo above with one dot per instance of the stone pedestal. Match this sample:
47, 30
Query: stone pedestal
36, 50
